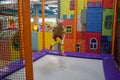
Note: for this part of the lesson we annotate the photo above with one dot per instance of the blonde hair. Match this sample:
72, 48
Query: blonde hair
59, 23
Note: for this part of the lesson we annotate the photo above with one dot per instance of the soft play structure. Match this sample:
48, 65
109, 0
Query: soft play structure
90, 44
94, 27
9, 45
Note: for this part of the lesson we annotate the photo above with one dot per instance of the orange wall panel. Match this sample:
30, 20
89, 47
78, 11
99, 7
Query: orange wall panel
82, 45
69, 22
94, 0
68, 45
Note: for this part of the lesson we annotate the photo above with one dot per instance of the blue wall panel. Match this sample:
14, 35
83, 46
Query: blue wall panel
94, 20
34, 40
106, 47
106, 38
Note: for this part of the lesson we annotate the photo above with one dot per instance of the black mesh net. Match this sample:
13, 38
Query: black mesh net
117, 36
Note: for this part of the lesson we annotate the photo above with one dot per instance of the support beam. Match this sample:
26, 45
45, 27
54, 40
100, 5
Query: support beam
75, 23
25, 33
114, 26
43, 23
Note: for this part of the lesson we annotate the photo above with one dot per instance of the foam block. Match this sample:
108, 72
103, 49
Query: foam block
89, 46
83, 16
107, 22
108, 4
106, 39
106, 47
79, 24
94, 20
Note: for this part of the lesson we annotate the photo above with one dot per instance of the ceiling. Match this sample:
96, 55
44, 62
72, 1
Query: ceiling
9, 6
32, 1
51, 7
51, 1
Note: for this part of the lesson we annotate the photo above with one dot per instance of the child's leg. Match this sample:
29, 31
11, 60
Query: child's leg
62, 50
51, 46
54, 37
56, 42
59, 46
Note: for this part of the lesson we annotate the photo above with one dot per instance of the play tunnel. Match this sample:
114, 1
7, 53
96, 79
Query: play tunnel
9, 45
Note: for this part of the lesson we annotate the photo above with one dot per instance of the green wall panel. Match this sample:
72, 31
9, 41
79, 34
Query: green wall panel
107, 22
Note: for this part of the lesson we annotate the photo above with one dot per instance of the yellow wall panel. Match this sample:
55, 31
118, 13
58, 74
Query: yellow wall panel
65, 7
40, 41
48, 39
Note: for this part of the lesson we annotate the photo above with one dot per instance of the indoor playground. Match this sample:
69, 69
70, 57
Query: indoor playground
59, 39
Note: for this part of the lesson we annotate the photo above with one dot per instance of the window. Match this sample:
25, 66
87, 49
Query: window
93, 44
69, 29
78, 47
72, 5
108, 22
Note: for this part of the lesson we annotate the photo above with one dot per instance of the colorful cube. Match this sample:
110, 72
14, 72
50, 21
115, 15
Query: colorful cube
107, 24
68, 24
108, 4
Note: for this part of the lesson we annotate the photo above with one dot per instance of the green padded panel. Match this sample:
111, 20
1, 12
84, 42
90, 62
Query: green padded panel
64, 16
72, 16
107, 22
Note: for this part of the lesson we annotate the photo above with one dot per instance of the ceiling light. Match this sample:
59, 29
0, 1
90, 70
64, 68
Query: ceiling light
52, 5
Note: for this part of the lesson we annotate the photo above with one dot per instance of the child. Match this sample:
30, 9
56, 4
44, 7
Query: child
59, 36
58, 31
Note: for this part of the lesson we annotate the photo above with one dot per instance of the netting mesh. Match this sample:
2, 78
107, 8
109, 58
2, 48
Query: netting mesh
117, 45
11, 58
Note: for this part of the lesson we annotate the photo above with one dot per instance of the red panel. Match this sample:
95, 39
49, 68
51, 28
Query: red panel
69, 22
108, 4
89, 36
81, 35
